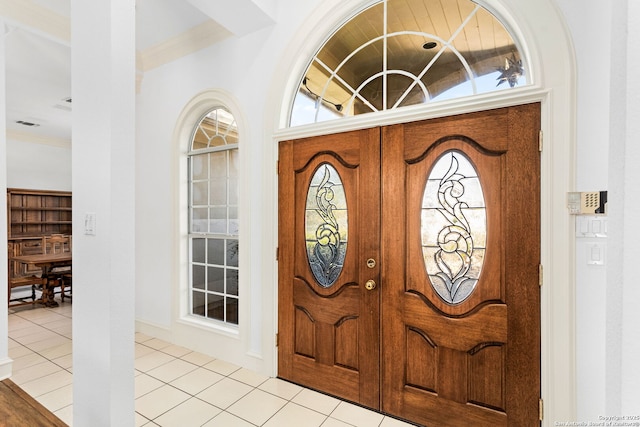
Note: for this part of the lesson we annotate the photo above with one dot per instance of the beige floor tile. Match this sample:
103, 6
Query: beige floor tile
40, 316
34, 336
65, 331
224, 393
27, 360
60, 350
65, 362
15, 323
280, 388
197, 358
140, 337
167, 379
62, 322
332, 422
57, 399
140, 420
144, 384
13, 343
176, 350
156, 343
49, 343
33, 372
249, 377
172, 370
293, 415
152, 360
159, 401
142, 350
192, 413
18, 351
257, 407
356, 415
317, 401
222, 367
47, 383
66, 415
197, 380
392, 422
226, 419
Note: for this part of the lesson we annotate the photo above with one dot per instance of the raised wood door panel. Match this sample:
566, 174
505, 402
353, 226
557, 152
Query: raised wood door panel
476, 362
329, 335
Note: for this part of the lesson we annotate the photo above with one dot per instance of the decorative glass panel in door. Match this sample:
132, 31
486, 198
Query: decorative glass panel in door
326, 225
454, 227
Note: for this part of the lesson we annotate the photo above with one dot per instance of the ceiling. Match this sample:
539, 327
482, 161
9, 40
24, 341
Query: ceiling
38, 52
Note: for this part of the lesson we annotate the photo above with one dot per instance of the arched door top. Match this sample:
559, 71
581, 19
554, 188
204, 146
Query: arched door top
398, 53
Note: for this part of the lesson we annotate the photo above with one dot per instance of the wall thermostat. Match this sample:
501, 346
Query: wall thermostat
587, 203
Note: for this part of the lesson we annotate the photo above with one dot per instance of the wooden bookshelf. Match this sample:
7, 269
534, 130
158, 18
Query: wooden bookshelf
36, 213
32, 214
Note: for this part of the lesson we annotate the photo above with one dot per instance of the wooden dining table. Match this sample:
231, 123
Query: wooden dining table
46, 262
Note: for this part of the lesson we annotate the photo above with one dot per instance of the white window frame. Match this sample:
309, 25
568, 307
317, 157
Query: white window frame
226, 236
219, 340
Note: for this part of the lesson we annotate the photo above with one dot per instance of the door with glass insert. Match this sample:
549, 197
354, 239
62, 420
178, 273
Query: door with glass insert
439, 276
329, 225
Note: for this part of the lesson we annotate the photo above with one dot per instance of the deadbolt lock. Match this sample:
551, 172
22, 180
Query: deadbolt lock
371, 263
370, 285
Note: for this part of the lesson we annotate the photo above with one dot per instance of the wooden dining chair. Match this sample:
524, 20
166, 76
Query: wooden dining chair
18, 279
59, 276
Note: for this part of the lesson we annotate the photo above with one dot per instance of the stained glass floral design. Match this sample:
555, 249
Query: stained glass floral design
454, 227
326, 225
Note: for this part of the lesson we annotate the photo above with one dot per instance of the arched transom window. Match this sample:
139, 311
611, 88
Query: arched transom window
399, 53
213, 218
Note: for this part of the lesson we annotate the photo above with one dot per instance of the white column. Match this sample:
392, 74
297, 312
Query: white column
103, 166
623, 292
5, 361
630, 390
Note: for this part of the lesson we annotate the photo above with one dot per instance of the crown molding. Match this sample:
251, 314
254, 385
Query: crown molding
15, 135
188, 42
42, 21
35, 18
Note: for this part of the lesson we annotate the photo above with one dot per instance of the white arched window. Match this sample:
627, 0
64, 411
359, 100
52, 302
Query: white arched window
213, 218
399, 53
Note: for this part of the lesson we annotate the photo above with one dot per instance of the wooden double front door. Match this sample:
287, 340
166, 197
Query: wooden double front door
409, 267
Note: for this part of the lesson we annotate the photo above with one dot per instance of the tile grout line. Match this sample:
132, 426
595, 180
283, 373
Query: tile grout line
38, 321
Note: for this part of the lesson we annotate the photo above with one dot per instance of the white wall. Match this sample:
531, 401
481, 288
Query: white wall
593, 112
607, 352
38, 166
623, 292
243, 69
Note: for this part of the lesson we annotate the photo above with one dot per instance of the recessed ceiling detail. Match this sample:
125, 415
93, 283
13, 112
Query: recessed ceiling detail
26, 123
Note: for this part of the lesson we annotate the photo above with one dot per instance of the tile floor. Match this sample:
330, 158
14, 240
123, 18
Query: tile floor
174, 386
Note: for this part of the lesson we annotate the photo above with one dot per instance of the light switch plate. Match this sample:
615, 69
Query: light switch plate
90, 224
596, 253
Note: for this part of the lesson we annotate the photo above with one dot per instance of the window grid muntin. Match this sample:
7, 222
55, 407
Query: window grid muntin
226, 268
229, 293
297, 115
